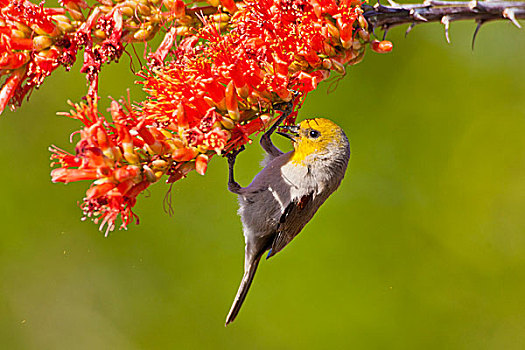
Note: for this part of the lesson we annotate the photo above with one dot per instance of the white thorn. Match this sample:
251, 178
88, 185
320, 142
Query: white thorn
446, 22
410, 28
417, 16
510, 13
393, 3
476, 31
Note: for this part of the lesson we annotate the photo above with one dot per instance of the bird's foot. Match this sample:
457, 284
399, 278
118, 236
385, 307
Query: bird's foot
232, 156
234, 153
233, 186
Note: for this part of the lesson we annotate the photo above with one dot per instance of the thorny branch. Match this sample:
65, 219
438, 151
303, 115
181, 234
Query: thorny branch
386, 17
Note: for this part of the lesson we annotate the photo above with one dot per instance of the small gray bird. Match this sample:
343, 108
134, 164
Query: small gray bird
285, 195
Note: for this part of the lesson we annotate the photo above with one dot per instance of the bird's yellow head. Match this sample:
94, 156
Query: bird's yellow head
317, 138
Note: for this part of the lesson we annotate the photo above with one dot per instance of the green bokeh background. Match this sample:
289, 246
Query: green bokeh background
422, 247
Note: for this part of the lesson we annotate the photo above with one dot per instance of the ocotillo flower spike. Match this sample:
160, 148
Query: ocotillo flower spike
215, 80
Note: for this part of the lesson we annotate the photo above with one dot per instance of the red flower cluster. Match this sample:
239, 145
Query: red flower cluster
35, 40
220, 87
25, 47
273, 47
122, 158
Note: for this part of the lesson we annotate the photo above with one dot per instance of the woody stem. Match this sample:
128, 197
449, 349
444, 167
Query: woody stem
386, 17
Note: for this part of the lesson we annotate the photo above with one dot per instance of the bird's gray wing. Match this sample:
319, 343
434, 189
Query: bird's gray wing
292, 221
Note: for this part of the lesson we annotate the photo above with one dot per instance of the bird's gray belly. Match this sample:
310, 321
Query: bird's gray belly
260, 211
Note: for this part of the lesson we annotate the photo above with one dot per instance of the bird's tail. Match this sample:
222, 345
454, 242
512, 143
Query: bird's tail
246, 282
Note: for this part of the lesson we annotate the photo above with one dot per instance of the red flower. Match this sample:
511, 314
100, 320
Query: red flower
217, 139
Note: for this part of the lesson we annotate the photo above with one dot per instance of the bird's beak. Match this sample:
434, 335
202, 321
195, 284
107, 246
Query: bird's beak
292, 132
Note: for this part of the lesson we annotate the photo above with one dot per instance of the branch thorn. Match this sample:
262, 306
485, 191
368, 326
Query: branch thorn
378, 6
510, 13
417, 16
393, 3
374, 32
409, 29
480, 23
385, 31
446, 22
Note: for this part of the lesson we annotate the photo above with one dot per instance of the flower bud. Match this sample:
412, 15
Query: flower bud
71, 175
231, 102
100, 34
99, 190
159, 164
381, 46
201, 163
127, 11
184, 154
332, 29
177, 7
338, 67
177, 142
363, 34
265, 119
143, 9
243, 91
22, 27
221, 26
362, 22
15, 33
220, 18
227, 123
42, 42
182, 30
229, 5
144, 34
345, 32
42, 31
64, 27
357, 58
105, 9
180, 116
149, 174
186, 21
61, 18
329, 49
126, 173
75, 11
181, 172
209, 101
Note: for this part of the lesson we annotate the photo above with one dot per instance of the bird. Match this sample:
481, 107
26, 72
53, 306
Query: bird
284, 196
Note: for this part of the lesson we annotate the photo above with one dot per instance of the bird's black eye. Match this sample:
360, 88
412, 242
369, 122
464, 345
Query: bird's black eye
314, 134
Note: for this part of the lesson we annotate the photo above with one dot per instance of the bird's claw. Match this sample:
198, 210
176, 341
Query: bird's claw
233, 154
286, 107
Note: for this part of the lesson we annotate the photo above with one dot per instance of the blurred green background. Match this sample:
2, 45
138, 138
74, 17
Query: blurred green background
422, 247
